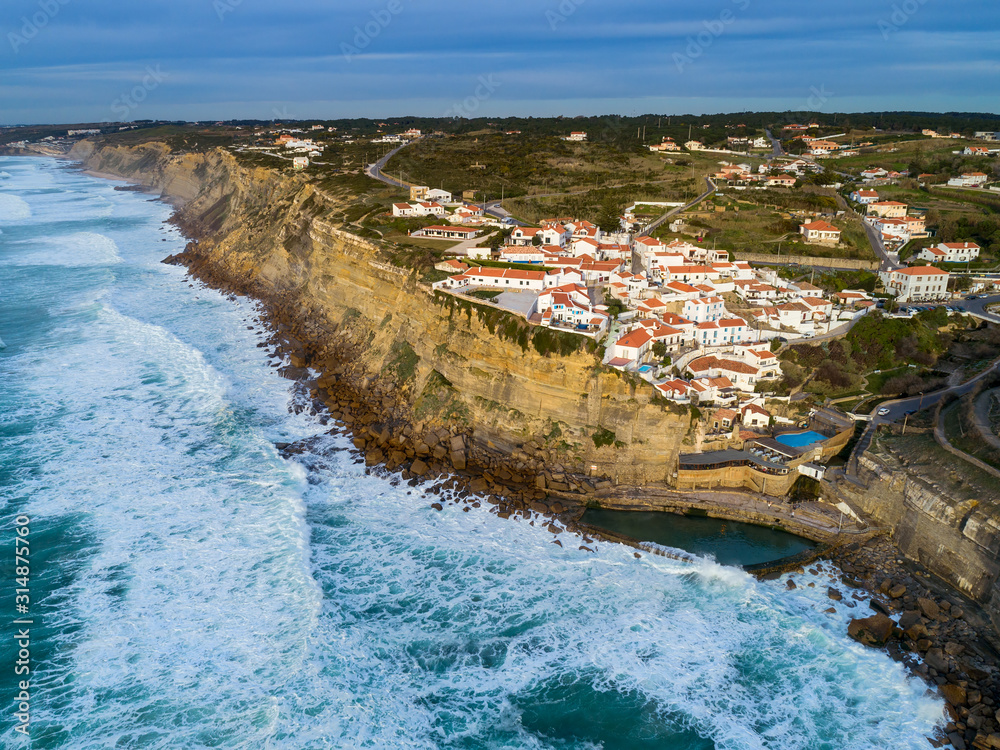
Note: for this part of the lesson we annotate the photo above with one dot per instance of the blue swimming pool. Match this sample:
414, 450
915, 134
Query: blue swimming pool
646, 368
800, 439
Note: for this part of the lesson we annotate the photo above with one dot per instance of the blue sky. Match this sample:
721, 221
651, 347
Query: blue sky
94, 60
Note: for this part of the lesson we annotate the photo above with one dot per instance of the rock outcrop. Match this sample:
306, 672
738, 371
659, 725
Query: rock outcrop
527, 393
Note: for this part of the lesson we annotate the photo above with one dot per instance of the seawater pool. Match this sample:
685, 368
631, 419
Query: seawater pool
800, 439
729, 542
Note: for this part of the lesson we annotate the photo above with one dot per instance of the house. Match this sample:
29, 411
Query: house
501, 278
754, 416
675, 390
633, 345
723, 332
447, 233
438, 196
822, 309
300, 162
821, 148
951, 252
876, 173
821, 232
740, 374
755, 291
403, 209
864, 197
780, 180
918, 283
576, 135
704, 309
850, 298
524, 236
887, 209
569, 305
976, 151
969, 179
599, 272
428, 208
722, 420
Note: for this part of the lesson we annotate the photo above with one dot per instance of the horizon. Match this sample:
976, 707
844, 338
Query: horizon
203, 60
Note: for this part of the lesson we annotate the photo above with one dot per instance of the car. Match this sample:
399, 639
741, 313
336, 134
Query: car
883, 411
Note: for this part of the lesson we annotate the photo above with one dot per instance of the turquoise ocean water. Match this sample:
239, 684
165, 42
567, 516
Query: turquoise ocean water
192, 589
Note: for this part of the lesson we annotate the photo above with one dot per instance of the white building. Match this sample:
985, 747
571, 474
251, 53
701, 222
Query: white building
951, 252
914, 284
704, 309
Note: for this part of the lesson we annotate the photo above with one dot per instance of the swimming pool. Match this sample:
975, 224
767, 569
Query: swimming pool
800, 439
646, 368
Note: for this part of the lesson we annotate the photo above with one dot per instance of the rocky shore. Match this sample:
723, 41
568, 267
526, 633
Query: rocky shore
941, 637
951, 649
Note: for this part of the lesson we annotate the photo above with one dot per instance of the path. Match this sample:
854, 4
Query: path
981, 416
375, 170
679, 209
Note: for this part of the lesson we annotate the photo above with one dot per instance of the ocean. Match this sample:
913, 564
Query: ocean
190, 588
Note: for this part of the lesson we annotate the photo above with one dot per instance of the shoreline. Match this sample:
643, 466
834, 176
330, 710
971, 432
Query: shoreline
440, 460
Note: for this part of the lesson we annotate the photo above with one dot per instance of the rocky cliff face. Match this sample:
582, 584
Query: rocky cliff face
956, 539
438, 360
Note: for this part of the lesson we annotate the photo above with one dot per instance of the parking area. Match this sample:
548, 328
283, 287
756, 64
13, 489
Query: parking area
519, 302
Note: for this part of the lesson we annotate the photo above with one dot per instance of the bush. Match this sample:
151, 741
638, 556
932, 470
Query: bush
603, 437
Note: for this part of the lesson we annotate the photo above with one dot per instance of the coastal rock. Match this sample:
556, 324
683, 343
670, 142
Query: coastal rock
419, 468
929, 607
897, 592
458, 460
834, 594
909, 619
954, 694
936, 659
871, 631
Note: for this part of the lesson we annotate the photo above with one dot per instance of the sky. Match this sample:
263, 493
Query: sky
97, 60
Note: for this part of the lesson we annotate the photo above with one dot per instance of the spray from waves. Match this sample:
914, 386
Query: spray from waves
77, 250
13, 208
226, 598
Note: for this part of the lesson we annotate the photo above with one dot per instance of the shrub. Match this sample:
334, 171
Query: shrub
603, 437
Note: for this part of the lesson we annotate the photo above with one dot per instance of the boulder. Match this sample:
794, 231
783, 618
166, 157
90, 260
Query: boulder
954, 694
458, 460
897, 592
935, 659
929, 607
360, 443
479, 485
909, 619
834, 594
871, 631
419, 468
437, 506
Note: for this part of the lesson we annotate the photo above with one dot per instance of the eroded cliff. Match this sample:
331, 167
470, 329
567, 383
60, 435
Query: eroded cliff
512, 388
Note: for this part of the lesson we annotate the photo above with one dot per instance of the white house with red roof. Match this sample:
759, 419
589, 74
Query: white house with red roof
512, 279
633, 346
742, 375
822, 232
403, 209
951, 252
704, 309
755, 416
524, 235
515, 254
916, 284
447, 232
723, 332
864, 196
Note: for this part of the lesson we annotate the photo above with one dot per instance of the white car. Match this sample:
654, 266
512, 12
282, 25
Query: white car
883, 411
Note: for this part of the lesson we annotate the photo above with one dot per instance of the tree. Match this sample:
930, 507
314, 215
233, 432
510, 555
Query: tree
496, 241
536, 241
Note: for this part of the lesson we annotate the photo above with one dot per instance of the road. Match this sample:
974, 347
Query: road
886, 263
977, 307
775, 144
899, 408
674, 211
375, 170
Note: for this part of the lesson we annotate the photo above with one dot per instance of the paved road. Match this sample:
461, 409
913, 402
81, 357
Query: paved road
977, 307
375, 170
886, 263
674, 211
984, 405
775, 145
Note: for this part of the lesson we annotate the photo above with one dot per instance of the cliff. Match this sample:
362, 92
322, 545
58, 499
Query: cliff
529, 393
